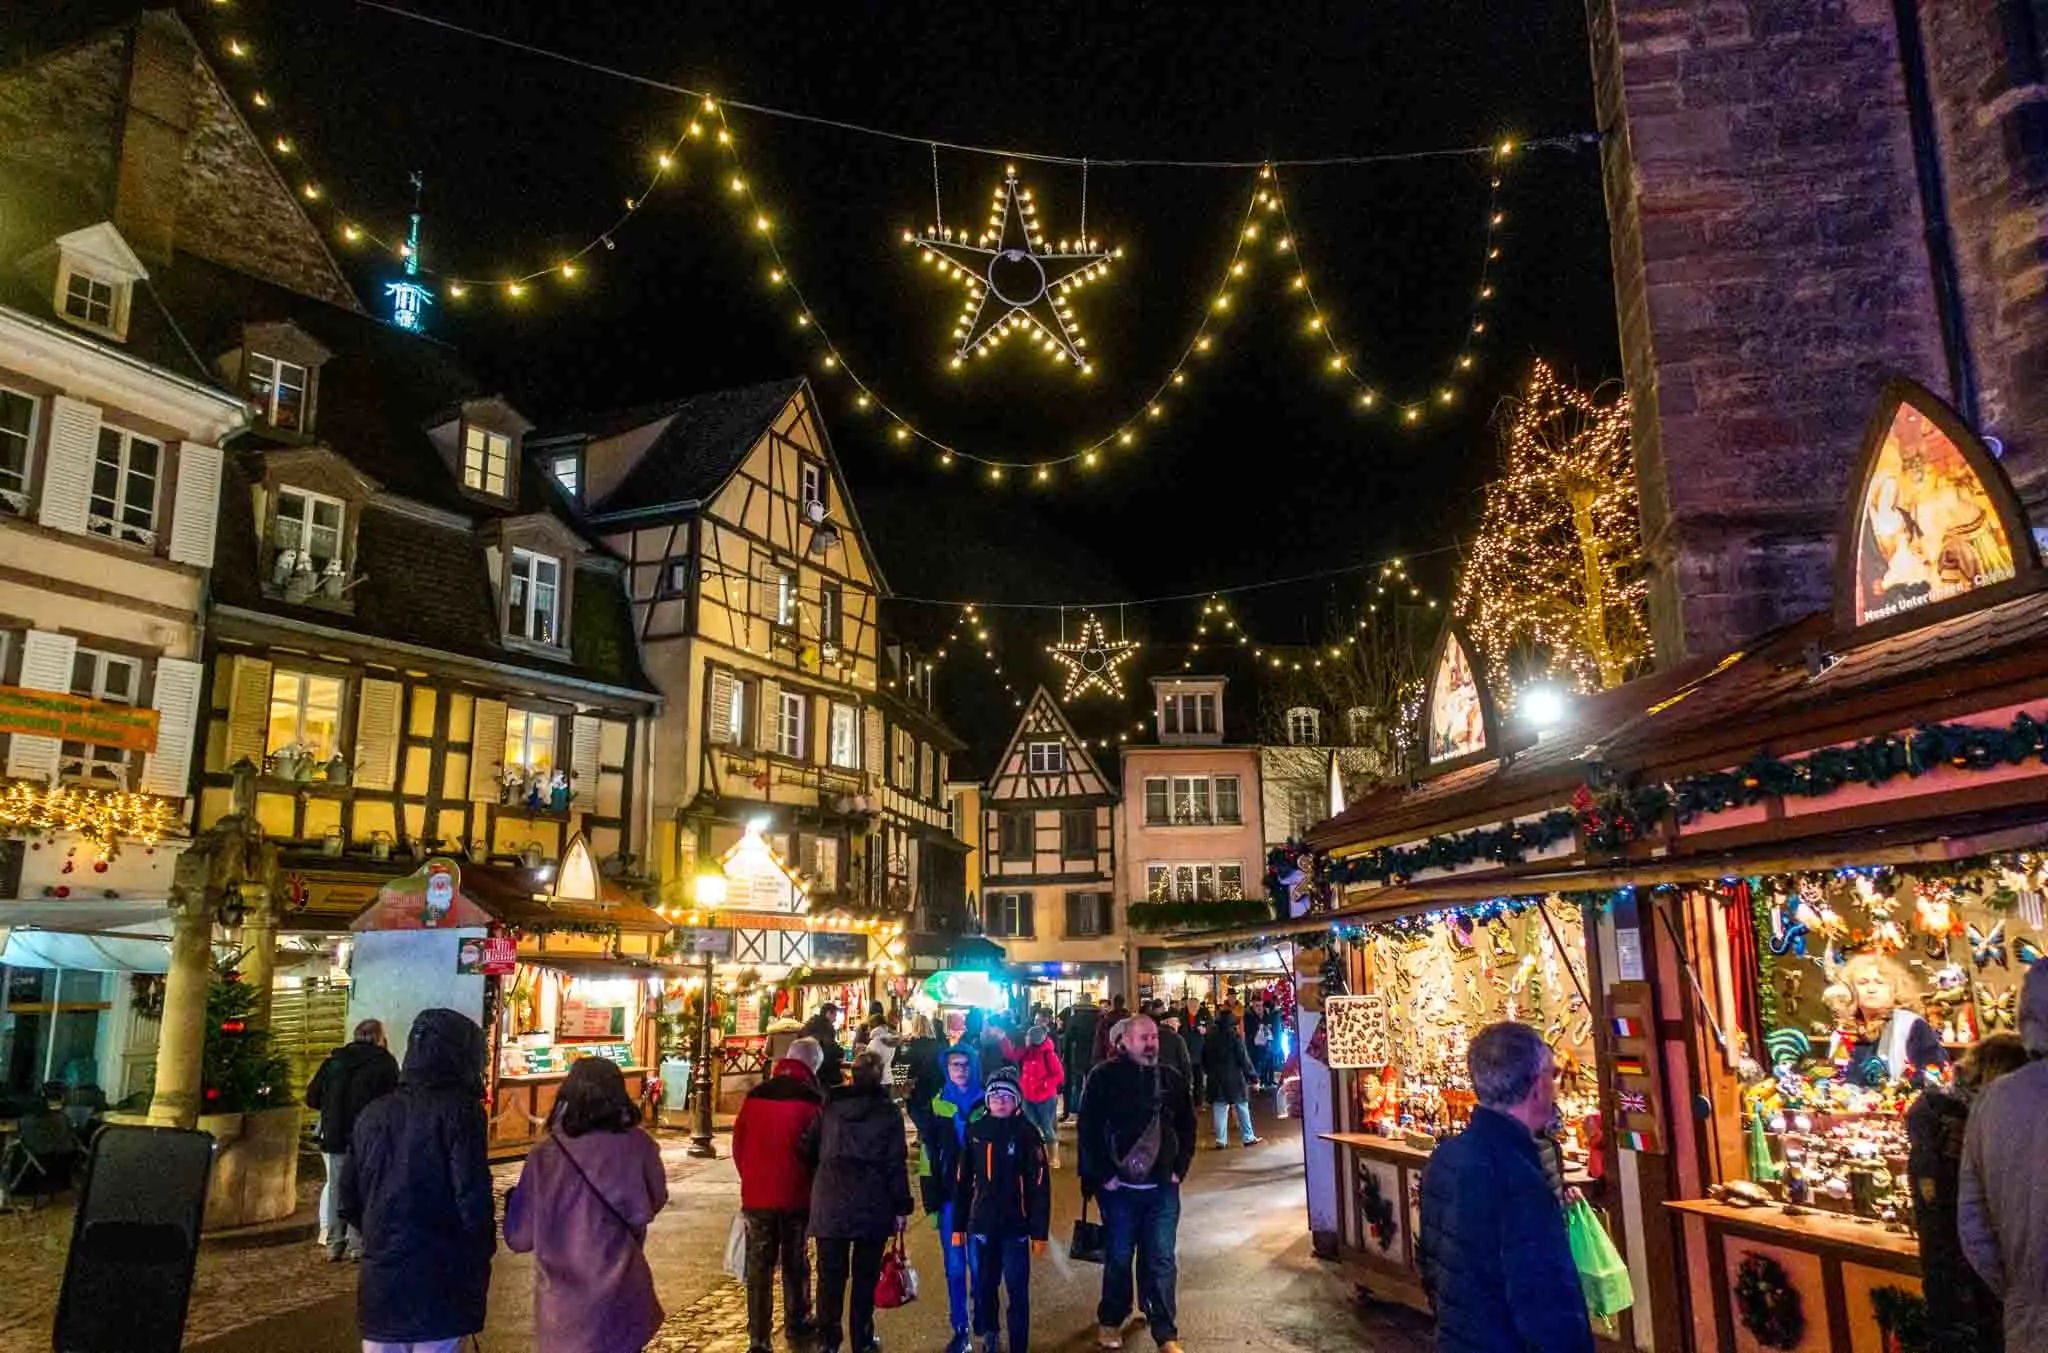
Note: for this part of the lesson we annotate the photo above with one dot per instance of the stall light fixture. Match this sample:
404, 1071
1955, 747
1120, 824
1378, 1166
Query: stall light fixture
1544, 707
710, 891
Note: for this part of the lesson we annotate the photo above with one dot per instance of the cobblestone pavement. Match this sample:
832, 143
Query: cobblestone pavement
1247, 1279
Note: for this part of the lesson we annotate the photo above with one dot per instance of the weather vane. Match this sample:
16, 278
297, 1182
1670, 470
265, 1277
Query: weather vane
1015, 284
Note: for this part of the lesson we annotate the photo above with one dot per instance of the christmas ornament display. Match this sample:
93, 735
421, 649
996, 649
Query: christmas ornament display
1014, 282
1093, 662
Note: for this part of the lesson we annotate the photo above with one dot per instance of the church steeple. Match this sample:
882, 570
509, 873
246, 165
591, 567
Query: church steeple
409, 298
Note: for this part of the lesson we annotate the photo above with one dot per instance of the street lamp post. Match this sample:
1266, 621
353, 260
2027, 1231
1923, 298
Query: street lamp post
710, 894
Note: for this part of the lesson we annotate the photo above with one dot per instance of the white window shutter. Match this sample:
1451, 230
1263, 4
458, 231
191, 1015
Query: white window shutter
248, 711
46, 658
487, 751
722, 730
196, 505
168, 769
67, 471
583, 738
377, 733
771, 715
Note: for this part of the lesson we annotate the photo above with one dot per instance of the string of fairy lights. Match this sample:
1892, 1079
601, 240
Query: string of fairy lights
1264, 223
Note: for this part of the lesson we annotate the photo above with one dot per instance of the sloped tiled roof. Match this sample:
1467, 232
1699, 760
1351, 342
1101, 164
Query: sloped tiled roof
707, 438
1718, 712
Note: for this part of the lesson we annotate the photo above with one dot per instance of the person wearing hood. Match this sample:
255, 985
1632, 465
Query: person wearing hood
581, 1208
1001, 1209
859, 1197
949, 1113
354, 1074
1962, 1314
2002, 1210
775, 1191
417, 1185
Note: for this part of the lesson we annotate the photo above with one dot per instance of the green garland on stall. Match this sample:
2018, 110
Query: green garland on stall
1766, 963
1158, 916
1768, 1303
1497, 845
1873, 762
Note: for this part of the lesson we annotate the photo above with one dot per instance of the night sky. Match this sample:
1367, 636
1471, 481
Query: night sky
1262, 469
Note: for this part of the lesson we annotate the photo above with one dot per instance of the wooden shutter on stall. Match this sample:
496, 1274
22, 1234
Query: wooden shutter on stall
168, 769
196, 505
583, 740
248, 710
67, 466
46, 659
378, 731
722, 728
487, 751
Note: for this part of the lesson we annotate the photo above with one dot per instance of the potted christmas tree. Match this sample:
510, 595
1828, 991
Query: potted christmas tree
247, 1107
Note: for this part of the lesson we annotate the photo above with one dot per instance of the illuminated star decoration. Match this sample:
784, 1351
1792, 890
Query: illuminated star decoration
1014, 283
1093, 662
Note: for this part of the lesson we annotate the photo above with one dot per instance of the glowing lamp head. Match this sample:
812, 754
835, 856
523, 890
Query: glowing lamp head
1544, 707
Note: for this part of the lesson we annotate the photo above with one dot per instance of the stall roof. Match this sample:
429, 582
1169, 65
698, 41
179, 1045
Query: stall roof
508, 893
1799, 688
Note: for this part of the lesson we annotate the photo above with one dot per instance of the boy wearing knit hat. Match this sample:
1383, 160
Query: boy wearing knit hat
1002, 1197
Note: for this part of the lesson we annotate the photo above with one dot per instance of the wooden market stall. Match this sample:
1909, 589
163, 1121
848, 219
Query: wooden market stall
1812, 875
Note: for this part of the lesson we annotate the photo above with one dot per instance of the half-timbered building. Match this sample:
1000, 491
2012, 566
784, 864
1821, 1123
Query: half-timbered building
1048, 858
754, 598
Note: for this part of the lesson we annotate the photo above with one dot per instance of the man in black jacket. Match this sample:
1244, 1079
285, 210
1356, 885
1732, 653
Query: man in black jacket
353, 1075
824, 1026
417, 1184
1077, 1049
1140, 1199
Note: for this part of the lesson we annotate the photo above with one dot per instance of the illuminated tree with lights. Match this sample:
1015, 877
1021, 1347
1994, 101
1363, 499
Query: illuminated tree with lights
1555, 585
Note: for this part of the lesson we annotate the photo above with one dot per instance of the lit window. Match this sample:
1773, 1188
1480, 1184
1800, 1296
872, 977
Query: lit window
1304, 727
782, 589
1047, 758
124, 481
279, 390
532, 596
89, 299
485, 458
845, 750
17, 438
310, 522
116, 680
529, 742
1194, 882
568, 472
1189, 713
789, 729
305, 714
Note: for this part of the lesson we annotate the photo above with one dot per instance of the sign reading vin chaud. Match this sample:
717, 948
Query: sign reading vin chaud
77, 718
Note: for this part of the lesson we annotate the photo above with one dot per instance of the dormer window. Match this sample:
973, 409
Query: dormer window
278, 389
1358, 721
567, 469
1304, 726
486, 458
89, 299
811, 483
533, 597
95, 278
309, 523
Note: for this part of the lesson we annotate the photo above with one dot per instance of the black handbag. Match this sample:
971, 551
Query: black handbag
1088, 1244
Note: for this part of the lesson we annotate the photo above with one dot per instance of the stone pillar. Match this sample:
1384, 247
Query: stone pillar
1769, 274
259, 958
182, 1039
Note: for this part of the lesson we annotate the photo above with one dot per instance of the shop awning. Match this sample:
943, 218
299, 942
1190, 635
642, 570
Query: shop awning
958, 953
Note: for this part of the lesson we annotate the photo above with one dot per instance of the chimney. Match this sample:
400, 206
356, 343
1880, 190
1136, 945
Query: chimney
157, 118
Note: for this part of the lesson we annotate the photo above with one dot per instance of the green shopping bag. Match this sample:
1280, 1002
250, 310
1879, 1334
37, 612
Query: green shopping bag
1603, 1274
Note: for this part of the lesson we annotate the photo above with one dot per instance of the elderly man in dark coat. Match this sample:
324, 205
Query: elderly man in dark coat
416, 1184
1493, 1252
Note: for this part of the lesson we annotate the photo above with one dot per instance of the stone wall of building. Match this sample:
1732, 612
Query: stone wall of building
1769, 275
1986, 70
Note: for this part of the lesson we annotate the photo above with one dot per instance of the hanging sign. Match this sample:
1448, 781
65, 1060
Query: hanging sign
431, 898
77, 718
703, 942
757, 879
488, 955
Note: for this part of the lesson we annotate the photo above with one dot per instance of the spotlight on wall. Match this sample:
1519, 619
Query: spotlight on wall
1543, 707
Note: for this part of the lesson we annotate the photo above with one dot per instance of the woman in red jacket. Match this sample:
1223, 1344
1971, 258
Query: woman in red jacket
1042, 1076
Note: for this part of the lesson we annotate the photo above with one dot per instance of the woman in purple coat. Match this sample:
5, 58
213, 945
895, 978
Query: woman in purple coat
582, 1206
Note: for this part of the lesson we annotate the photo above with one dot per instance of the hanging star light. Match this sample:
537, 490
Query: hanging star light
1093, 662
1015, 284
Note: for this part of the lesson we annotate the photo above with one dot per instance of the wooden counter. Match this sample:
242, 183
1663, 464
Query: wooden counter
520, 1106
1834, 1261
